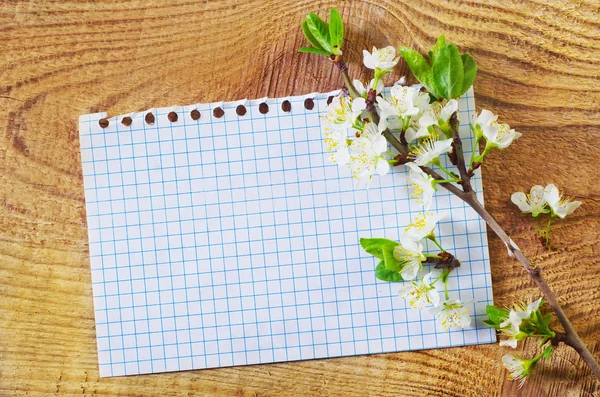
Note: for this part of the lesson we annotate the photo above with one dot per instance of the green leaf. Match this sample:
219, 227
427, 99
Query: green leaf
448, 73
374, 245
384, 274
336, 31
491, 324
420, 68
547, 319
313, 50
495, 314
320, 31
470, 70
388, 257
441, 43
547, 352
309, 36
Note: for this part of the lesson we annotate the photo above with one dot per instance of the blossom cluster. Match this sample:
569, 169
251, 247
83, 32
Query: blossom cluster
544, 200
421, 123
522, 321
354, 130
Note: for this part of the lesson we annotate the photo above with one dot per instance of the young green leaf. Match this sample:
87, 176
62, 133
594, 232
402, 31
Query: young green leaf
384, 274
448, 73
388, 257
495, 314
441, 43
374, 245
313, 50
336, 31
547, 352
320, 31
310, 38
491, 324
470, 70
420, 68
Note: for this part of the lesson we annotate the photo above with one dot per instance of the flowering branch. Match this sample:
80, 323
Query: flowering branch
421, 123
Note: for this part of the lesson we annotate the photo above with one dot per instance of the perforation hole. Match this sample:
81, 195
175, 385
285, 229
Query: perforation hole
149, 118
172, 116
240, 110
126, 121
218, 112
103, 123
309, 104
263, 108
286, 106
330, 99
195, 114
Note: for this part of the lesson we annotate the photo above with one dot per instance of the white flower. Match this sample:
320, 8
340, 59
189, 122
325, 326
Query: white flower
438, 114
383, 59
366, 155
452, 314
429, 150
421, 293
518, 368
422, 227
497, 135
533, 203
343, 111
403, 103
410, 255
512, 333
422, 185
420, 128
520, 312
337, 142
560, 206
363, 91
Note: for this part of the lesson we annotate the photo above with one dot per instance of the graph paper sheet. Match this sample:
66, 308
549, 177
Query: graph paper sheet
234, 240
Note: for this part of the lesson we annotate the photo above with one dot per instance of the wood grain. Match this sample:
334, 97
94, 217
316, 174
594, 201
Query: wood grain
539, 66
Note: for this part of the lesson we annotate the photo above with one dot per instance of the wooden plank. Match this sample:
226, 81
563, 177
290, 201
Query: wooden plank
539, 64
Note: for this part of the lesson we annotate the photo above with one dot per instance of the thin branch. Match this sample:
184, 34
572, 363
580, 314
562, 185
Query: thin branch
344, 70
459, 155
572, 338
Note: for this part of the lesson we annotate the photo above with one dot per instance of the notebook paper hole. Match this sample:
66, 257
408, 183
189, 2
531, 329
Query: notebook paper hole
263, 108
286, 106
149, 118
309, 104
240, 110
103, 123
172, 116
195, 114
218, 112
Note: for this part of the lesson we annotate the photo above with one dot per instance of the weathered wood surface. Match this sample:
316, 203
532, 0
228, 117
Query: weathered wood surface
539, 65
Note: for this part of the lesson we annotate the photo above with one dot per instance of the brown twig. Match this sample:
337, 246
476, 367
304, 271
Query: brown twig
571, 338
458, 152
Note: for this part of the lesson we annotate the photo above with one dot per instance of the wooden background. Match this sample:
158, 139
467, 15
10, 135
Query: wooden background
539, 65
